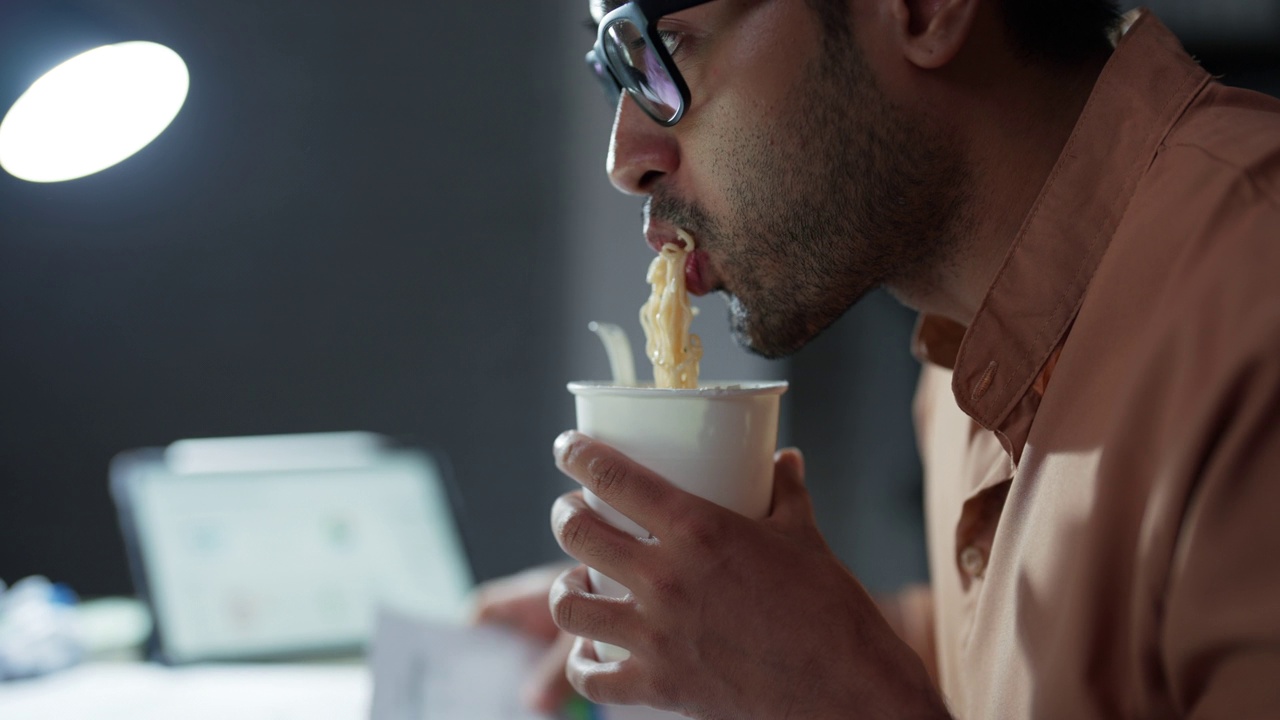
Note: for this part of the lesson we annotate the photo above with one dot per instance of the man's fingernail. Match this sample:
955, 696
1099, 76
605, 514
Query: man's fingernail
562, 444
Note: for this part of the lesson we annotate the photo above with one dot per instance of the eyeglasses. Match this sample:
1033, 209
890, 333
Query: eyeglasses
631, 55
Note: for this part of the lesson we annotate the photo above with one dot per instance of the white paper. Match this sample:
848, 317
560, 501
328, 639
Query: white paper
430, 670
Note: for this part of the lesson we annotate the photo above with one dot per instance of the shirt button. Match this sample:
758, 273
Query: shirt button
973, 561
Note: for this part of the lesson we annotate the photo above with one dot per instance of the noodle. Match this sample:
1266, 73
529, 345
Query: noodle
666, 316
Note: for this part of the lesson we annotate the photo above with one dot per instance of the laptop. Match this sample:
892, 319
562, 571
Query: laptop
287, 547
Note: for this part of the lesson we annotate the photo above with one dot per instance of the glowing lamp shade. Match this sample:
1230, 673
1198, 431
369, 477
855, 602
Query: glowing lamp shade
93, 111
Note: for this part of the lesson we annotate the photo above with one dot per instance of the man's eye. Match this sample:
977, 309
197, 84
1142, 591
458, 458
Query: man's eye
671, 40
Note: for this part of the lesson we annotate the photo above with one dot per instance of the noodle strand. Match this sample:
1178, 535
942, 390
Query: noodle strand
666, 317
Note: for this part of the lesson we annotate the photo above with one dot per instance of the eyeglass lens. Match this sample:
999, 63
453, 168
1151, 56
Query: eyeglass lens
642, 71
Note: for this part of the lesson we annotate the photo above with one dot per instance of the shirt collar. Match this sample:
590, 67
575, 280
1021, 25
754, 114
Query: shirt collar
1146, 85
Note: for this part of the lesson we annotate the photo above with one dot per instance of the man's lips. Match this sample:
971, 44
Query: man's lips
699, 278
697, 275
658, 240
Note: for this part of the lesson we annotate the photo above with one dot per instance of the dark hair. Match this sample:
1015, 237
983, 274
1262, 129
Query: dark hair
1049, 31
1060, 31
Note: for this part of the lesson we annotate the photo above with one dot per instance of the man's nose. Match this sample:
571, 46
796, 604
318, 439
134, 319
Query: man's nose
641, 151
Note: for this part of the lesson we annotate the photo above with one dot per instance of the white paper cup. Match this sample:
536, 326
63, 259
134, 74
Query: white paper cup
716, 441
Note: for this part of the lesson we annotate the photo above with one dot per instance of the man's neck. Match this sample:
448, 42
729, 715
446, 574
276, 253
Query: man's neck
1015, 130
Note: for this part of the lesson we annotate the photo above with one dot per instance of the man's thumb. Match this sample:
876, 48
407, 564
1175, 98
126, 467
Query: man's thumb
790, 496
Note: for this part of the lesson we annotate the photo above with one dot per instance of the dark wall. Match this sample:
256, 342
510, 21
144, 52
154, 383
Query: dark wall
349, 226
851, 397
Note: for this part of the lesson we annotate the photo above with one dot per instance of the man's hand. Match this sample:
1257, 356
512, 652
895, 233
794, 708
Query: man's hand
728, 617
520, 603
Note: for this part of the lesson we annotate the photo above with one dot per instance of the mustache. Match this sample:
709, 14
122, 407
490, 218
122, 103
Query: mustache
666, 206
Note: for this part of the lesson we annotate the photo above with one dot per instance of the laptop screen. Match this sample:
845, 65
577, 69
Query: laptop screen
242, 563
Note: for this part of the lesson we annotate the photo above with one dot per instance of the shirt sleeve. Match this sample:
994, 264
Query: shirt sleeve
1221, 625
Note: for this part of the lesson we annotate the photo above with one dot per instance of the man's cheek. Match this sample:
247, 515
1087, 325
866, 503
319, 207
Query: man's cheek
715, 168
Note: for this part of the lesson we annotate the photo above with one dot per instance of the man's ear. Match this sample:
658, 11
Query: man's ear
933, 31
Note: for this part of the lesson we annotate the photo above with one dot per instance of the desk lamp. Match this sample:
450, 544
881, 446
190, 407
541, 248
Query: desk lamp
77, 95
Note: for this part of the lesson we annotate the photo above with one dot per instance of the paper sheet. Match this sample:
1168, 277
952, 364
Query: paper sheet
430, 670
427, 670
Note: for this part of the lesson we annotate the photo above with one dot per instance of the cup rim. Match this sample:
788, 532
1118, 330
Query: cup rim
707, 388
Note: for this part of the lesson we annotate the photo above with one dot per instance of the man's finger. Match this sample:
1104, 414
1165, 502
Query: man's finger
518, 601
631, 489
580, 612
586, 537
548, 687
791, 501
611, 683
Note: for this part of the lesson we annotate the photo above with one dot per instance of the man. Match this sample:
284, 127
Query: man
1089, 226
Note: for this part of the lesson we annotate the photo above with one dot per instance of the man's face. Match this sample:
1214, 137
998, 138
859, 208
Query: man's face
803, 186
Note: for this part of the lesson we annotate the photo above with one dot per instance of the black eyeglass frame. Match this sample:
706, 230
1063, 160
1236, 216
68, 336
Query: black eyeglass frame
644, 14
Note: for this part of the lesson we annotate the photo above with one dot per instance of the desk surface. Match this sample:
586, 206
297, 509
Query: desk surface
144, 691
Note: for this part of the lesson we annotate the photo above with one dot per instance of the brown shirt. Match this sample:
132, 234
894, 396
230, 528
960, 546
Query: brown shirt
1102, 444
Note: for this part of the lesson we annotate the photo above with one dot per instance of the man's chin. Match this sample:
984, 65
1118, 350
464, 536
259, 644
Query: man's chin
754, 338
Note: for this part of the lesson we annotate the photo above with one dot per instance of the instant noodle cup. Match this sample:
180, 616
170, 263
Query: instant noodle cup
716, 441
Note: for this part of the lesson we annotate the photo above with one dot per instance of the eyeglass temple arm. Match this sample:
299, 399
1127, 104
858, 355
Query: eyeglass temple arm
654, 9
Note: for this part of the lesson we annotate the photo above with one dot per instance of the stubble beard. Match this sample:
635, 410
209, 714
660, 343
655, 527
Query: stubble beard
845, 194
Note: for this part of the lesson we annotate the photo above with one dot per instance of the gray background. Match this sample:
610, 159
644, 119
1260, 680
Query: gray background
392, 216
